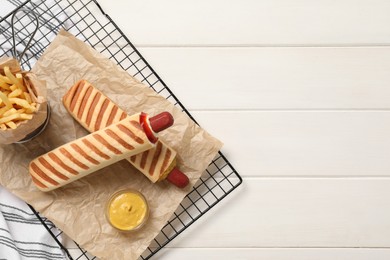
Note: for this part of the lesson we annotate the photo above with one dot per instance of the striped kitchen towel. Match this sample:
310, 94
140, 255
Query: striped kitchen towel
22, 235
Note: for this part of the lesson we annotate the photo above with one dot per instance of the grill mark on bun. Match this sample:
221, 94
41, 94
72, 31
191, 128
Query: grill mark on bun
136, 125
155, 158
84, 154
144, 158
117, 138
61, 163
112, 115
84, 101
106, 144
123, 116
76, 95
52, 169
43, 175
92, 108
130, 133
38, 183
167, 158
133, 158
95, 149
72, 159
101, 113
70, 94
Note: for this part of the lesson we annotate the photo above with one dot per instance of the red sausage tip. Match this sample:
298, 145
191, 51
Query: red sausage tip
161, 121
178, 178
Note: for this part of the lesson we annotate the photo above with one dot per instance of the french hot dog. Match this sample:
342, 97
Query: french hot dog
76, 159
157, 163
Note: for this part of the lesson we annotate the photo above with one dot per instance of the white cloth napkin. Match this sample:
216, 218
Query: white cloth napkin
22, 235
7, 7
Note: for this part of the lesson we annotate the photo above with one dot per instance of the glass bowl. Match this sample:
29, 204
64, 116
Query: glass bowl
127, 210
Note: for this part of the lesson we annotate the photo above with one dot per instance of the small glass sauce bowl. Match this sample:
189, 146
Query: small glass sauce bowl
127, 210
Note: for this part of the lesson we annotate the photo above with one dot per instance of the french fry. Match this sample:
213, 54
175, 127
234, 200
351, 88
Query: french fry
25, 116
3, 127
4, 85
4, 110
27, 97
30, 110
5, 99
20, 111
11, 125
15, 117
15, 93
13, 79
10, 112
9, 118
5, 79
19, 77
20, 102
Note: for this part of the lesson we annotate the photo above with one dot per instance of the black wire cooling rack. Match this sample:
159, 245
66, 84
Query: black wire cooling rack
88, 22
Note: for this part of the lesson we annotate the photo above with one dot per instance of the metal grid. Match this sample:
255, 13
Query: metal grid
88, 22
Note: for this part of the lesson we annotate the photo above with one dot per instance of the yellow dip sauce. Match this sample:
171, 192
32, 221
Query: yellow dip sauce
127, 210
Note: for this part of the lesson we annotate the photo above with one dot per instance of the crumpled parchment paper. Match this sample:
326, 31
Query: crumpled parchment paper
78, 208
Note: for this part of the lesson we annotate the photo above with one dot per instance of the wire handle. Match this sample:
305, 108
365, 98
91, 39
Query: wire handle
19, 58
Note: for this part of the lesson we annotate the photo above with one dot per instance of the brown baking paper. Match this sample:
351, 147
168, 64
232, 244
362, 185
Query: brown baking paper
78, 208
37, 90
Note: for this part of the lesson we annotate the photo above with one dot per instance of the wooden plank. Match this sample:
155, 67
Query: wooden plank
273, 253
6, 8
296, 213
275, 78
264, 253
302, 143
293, 212
251, 22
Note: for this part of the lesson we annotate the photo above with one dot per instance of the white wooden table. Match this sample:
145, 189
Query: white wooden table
299, 92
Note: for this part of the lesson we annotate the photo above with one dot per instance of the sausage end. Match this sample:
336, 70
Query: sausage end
178, 178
